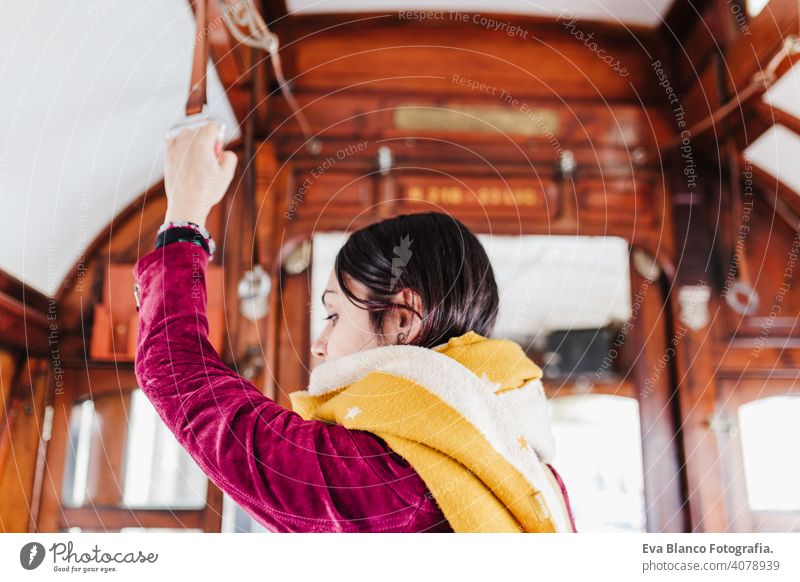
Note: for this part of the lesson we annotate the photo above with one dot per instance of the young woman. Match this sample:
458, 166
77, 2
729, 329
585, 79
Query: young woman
414, 422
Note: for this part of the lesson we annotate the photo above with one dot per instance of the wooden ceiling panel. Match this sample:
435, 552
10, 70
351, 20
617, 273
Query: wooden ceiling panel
552, 59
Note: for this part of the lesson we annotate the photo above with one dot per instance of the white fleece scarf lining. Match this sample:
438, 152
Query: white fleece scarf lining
499, 417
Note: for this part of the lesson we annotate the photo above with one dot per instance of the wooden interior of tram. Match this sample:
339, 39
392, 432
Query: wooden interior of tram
351, 73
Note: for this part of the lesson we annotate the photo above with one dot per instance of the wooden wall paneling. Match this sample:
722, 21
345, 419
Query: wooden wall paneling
666, 244
270, 178
697, 356
691, 31
294, 334
334, 51
701, 99
114, 329
13, 289
615, 199
665, 507
697, 348
624, 205
476, 157
25, 416
768, 247
343, 120
270, 381
614, 134
777, 357
23, 317
271, 188
232, 226
336, 192
10, 368
228, 215
10, 363
212, 512
50, 507
254, 218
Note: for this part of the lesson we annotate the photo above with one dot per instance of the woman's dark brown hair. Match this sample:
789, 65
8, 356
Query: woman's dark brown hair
432, 254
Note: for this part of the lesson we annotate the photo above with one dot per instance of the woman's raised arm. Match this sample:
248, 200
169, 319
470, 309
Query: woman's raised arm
289, 473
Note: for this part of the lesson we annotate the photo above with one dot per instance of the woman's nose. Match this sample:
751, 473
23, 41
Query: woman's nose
320, 347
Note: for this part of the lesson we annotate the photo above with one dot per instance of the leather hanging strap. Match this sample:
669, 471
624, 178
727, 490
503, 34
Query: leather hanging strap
197, 87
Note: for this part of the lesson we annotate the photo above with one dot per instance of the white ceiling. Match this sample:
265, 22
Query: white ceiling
545, 283
633, 12
88, 89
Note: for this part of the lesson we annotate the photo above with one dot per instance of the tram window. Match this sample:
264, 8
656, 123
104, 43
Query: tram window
770, 437
546, 283
158, 471
77, 454
599, 456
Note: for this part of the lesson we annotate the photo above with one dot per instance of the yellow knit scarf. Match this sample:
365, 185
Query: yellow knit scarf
470, 416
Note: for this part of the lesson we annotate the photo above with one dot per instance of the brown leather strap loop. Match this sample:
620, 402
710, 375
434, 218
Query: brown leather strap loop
197, 86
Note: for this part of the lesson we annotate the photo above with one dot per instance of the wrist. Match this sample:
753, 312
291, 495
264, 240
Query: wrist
182, 230
177, 215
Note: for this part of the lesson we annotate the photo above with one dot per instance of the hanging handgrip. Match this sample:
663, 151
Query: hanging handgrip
196, 105
197, 86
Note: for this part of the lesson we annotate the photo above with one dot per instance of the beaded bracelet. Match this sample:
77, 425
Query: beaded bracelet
181, 234
185, 231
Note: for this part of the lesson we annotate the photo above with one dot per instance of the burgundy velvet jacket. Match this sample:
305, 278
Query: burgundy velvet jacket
288, 473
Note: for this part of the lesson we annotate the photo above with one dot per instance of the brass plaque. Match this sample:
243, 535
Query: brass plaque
485, 195
532, 122
533, 197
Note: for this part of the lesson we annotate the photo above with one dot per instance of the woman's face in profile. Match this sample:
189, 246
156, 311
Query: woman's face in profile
347, 329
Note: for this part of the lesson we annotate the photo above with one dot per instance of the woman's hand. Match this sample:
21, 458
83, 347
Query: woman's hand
195, 178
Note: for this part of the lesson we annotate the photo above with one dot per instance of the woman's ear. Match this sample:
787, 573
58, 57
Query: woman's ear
403, 325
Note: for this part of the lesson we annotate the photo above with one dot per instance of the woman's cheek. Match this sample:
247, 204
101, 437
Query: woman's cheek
333, 345
340, 341
344, 339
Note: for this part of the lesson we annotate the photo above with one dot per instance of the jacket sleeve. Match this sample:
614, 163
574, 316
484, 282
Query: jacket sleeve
289, 473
